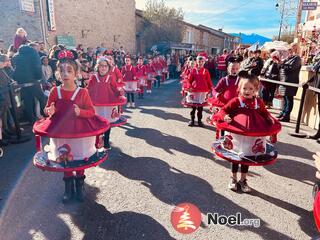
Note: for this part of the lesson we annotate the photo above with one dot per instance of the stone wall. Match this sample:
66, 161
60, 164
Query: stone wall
89, 22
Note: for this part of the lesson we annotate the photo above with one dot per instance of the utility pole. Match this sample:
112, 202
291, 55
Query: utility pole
288, 11
281, 19
299, 13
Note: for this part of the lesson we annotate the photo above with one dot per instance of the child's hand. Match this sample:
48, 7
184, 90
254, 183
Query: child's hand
76, 109
51, 110
227, 119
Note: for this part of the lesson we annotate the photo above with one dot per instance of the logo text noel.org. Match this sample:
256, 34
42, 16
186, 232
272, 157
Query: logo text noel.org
232, 220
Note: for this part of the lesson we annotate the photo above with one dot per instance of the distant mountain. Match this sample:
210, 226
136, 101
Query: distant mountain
252, 38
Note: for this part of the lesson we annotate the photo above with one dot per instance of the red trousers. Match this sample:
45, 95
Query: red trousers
149, 85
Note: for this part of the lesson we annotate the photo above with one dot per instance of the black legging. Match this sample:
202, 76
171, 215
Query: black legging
130, 97
106, 138
235, 167
199, 114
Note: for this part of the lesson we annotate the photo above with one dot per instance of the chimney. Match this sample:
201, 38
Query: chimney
220, 29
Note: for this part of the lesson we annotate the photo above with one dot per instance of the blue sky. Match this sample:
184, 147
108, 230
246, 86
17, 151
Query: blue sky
246, 16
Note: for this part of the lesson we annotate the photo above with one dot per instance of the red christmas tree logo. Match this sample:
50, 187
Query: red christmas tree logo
186, 218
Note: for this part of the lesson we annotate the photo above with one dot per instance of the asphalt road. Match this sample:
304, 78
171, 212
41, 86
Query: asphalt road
156, 163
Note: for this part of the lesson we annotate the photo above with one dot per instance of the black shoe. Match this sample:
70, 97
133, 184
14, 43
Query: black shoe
191, 124
284, 119
79, 187
200, 124
69, 189
3, 143
316, 136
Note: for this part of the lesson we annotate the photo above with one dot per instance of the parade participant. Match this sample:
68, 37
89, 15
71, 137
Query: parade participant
158, 68
141, 75
222, 66
200, 85
131, 83
106, 96
115, 71
227, 87
164, 65
73, 129
151, 72
189, 65
246, 120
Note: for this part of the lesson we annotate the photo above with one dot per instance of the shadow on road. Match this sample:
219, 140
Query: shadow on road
172, 186
306, 221
164, 141
96, 222
164, 115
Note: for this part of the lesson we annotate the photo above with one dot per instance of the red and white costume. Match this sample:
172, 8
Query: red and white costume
118, 76
226, 89
157, 67
129, 78
141, 75
150, 72
65, 128
251, 124
200, 85
105, 95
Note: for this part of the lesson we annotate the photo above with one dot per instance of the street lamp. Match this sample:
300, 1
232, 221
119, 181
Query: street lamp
281, 17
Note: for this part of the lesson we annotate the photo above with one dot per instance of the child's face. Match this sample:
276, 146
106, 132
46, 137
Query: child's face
103, 68
140, 61
201, 62
45, 61
67, 72
128, 61
234, 69
247, 90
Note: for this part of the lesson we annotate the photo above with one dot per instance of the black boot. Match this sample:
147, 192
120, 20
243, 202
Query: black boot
79, 188
200, 124
191, 123
69, 189
315, 136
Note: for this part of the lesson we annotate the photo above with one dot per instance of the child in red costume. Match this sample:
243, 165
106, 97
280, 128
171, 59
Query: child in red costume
141, 75
227, 87
252, 108
151, 72
104, 91
71, 106
129, 77
158, 68
199, 81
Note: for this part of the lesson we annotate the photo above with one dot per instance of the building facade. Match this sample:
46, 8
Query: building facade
195, 38
91, 23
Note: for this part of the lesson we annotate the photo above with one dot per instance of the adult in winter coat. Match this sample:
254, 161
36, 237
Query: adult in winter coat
289, 72
27, 70
270, 70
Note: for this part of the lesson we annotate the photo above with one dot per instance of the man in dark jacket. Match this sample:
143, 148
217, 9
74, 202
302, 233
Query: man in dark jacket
289, 72
27, 70
315, 82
